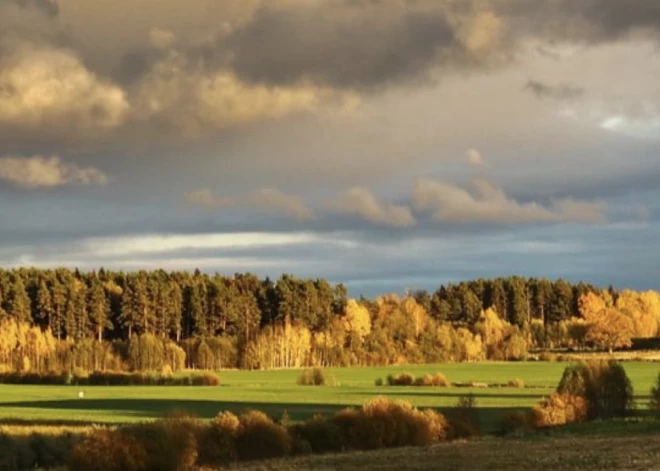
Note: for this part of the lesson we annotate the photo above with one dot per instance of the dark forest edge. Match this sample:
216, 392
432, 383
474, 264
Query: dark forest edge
69, 321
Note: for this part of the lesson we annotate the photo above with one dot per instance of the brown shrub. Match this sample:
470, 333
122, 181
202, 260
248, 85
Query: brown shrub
261, 438
170, 443
440, 380
426, 380
559, 409
349, 421
107, 450
315, 377
208, 378
217, 442
322, 436
516, 383
403, 379
385, 423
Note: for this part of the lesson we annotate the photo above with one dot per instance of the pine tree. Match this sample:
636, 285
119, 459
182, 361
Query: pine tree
19, 302
45, 305
98, 308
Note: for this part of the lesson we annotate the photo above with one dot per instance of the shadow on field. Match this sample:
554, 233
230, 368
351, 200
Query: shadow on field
153, 408
456, 393
150, 408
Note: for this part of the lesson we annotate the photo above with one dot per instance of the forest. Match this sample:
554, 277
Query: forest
60, 320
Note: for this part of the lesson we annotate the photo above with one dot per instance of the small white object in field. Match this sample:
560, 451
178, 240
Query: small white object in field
81, 394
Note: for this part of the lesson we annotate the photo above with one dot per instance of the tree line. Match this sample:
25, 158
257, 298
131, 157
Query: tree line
106, 319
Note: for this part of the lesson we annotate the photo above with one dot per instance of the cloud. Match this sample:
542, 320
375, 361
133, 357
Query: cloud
194, 101
557, 92
474, 158
49, 7
49, 89
361, 202
205, 198
47, 172
360, 44
292, 206
161, 38
268, 199
450, 203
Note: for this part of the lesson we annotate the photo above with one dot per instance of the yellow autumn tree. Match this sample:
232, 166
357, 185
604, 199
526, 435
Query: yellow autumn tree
357, 320
606, 326
416, 313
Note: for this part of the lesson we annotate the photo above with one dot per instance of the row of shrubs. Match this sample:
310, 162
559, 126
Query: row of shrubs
406, 379
440, 380
111, 379
180, 442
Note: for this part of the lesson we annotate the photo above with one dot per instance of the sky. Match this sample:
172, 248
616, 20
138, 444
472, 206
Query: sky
385, 144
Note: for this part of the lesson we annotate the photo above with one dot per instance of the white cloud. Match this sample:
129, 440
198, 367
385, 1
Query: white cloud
48, 172
363, 203
488, 203
157, 243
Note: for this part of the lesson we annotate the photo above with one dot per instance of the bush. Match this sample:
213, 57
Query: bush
35, 450
403, 379
383, 423
315, 377
51, 451
207, 378
107, 450
217, 442
440, 380
515, 423
170, 443
516, 383
559, 409
15, 454
260, 438
464, 418
379, 382
654, 403
426, 380
320, 434
604, 386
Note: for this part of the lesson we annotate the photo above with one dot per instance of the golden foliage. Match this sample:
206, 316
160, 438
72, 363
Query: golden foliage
559, 409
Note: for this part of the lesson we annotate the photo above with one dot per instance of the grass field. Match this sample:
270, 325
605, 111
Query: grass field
276, 391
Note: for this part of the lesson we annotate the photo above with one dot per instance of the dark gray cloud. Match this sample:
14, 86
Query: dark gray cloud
50, 8
556, 92
352, 44
592, 21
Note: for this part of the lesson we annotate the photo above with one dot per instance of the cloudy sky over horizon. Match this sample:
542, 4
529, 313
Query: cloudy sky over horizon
387, 144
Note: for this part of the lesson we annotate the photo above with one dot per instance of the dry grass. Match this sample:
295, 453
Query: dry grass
566, 454
47, 430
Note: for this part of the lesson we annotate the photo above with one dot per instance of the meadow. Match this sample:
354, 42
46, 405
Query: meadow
275, 392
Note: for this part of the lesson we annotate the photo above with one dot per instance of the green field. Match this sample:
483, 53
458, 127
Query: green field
276, 391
